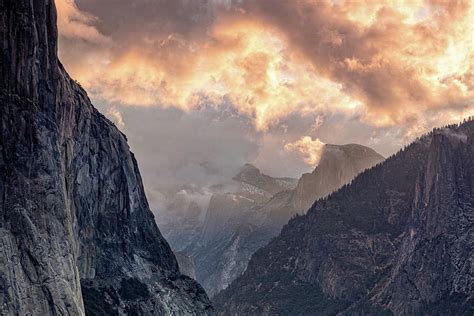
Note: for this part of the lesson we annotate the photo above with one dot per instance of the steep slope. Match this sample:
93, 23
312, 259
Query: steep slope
186, 264
76, 232
221, 250
398, 240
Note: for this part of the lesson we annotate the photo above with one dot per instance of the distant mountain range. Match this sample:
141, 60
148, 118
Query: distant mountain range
239, 222
397, 240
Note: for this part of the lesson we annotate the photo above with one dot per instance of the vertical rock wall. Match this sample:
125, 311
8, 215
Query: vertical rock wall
72, 206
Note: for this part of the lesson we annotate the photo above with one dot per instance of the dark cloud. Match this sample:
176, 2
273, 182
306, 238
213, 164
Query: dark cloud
137, 20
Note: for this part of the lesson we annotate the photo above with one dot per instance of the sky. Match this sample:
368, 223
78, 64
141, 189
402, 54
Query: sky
201, 87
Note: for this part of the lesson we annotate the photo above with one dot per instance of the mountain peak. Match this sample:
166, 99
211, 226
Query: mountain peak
248, 169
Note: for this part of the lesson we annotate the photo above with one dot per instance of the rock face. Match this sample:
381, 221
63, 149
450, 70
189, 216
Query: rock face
397, 240
186, 264
76, 232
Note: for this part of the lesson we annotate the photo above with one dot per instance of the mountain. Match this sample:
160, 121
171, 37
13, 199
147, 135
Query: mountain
397, 240
339, 164
202, 236
258, 186
191, 212
76, 232
240, 222
252, 189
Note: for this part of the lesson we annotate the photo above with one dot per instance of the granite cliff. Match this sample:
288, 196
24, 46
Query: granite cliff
76, 233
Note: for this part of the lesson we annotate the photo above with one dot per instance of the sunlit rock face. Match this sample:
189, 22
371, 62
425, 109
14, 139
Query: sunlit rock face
397, 240
239, 222
76, 234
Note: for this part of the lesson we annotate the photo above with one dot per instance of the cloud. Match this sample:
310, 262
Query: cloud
310, 149
250, 67
397, 58
76, 24
202, 148
385, 62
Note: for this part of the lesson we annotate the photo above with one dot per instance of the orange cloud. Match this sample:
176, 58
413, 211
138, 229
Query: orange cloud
386, 62
116, 116
242, 62
311, 150
395, 57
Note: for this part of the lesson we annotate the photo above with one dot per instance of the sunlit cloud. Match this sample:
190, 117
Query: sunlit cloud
116, 116
241, 62
396, 65
311, 150
385, 63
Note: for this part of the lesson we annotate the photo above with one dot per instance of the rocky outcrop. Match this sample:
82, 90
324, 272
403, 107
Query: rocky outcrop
76, 232
397, 240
